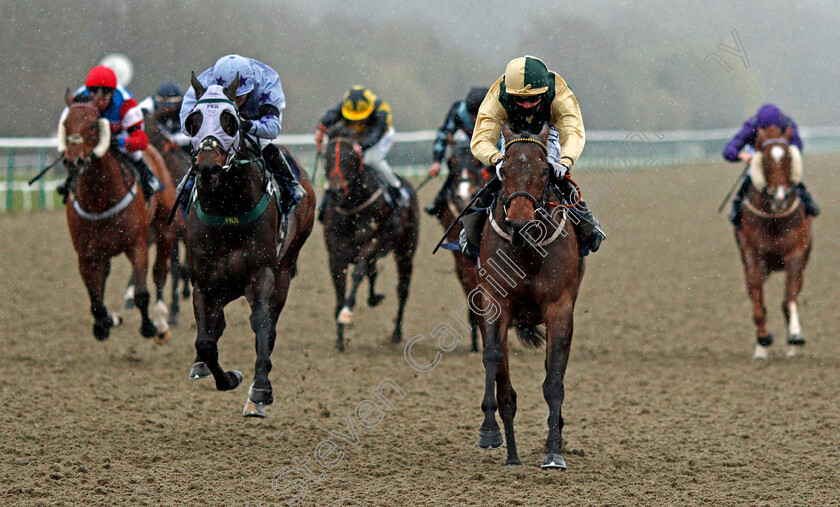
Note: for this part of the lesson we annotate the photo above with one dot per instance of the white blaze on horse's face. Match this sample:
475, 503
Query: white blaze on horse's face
776, 153
780, 194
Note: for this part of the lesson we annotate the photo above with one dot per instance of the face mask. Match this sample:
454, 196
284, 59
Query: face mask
210, 110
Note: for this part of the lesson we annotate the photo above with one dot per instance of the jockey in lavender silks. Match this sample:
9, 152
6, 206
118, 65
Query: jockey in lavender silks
766, 116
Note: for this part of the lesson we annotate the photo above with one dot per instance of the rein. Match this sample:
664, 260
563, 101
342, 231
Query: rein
337, 167
782, 214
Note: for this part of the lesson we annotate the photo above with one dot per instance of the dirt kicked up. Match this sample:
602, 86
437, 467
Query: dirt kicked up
663, 402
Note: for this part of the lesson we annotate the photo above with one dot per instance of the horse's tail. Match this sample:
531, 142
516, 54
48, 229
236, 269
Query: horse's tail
530, 336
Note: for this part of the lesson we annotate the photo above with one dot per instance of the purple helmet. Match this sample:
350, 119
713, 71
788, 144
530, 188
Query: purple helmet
767, 115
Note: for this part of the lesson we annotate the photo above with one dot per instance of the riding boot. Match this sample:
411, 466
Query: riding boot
437, 206
148, 181
811, 207
398, 196
735, 210
280, 167
587, 227
473, 222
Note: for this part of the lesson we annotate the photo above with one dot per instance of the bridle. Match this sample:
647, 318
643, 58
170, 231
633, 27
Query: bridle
336, 171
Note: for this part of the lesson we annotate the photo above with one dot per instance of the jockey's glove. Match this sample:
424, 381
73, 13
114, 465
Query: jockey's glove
245, 125
560, 170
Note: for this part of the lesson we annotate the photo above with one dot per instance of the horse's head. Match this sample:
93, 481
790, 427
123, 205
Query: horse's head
213, 126
472, 176
343, 160
82, 134
524, 175
775, 160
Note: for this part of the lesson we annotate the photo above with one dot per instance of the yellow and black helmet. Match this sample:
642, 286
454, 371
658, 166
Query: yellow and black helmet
526, 76
358, 103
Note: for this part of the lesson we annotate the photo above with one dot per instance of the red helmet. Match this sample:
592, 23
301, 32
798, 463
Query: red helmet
101, 76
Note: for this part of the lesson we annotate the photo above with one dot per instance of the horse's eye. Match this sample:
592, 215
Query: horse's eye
193, 123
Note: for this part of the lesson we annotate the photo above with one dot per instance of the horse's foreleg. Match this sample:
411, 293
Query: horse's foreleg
359, 274
175, 275
559, 328
165, 242
405, 265
794, 269
506, 397
263, 323
338, 269
474, 330
373, 298
489, 436
210, 322
138, 256
94, 272
755, 274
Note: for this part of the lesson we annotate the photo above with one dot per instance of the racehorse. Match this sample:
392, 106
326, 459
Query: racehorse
359, 228
106, 218
775, 233
469, 177
238, 243
532, 274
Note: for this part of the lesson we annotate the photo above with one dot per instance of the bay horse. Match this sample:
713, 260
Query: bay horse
178, 163
107, 216
359, 228
236, 244
531, 274
775, 233
467, 177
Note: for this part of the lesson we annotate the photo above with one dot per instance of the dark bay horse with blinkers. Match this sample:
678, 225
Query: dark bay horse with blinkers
360, 227
107, 216
532, 274
232, 241
775, 234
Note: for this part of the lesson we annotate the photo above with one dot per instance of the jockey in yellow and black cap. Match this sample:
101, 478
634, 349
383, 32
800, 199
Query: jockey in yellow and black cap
526, 97
368, 118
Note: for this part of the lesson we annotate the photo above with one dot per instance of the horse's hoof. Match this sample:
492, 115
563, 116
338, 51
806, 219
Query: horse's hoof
252, 409
340, 346
514, 461
148, 329
760, 353
101, 332
235, 378
553, 460
796, 340
766, 340
185, 293
396, 337
199, 370
375, 299
345, 316
490, 439
173, 319
162, 338
264, 397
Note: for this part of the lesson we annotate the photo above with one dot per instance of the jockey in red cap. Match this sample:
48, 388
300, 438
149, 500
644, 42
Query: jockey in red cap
118, 106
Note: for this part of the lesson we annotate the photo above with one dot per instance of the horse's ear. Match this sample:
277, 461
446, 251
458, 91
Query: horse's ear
543, 135
230, 90
759, 138
197, 86
788, 132
68, 97
507, 132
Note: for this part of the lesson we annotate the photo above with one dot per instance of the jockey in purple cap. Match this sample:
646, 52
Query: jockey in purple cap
767, 115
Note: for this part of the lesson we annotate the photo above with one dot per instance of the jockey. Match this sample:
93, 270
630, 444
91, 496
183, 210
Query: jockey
526, 97
767, 115
457, 128
369, 118
127, 136
165, 108
260, 101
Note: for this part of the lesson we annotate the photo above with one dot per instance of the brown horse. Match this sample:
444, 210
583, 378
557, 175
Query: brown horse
532, 270
359, 228
775, 234
467, 177
107, 217
178, 163
237, 244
